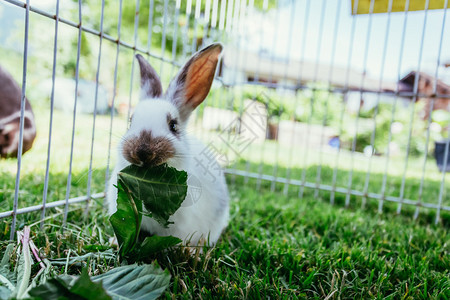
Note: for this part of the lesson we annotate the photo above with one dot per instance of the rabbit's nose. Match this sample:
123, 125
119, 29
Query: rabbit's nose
146, 150
144, 154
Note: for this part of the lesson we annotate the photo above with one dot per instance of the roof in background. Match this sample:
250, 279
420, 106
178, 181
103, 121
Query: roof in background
407, 82
270, 68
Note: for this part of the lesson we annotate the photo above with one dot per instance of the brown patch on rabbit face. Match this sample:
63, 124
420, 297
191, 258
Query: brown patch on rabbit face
146, 150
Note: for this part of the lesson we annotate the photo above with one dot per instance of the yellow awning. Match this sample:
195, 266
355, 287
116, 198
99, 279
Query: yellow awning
382, 6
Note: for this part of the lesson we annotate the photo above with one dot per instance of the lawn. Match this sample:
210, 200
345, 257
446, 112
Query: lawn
277, 245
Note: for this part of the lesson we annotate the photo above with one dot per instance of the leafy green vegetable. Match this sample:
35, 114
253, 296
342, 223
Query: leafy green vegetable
5, 264
82, 288
7, 277
155, 243
135, 282
127, 282
161, 189
5, 292
54, 288
88, 289
126, 221
24, 265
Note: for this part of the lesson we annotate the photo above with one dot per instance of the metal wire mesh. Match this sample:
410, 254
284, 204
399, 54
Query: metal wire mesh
293, 57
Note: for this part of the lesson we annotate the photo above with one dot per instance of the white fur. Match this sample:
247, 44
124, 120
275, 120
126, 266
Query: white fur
208, 215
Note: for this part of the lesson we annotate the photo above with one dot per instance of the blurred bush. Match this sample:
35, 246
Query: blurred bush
317, 105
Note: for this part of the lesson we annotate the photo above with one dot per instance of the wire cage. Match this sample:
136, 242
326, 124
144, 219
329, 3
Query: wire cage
336, 99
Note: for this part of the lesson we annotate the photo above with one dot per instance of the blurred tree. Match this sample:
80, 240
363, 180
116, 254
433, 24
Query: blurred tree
162, 12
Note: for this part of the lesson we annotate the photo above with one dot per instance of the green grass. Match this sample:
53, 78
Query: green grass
282, 247
276, 246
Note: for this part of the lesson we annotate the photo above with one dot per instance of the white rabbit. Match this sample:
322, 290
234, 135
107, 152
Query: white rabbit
157, 135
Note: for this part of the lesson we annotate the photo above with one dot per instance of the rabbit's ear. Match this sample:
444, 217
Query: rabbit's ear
150, 82
192, 84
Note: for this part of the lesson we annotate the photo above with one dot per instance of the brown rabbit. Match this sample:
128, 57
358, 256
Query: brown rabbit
10, 98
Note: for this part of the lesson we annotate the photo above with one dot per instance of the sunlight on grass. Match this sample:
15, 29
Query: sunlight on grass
34, 162
270, 158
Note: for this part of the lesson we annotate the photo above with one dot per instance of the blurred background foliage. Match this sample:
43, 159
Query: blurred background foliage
175, 34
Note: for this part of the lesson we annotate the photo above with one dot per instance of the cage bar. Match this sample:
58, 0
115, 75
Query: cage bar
22, 110
72, 142
52, 98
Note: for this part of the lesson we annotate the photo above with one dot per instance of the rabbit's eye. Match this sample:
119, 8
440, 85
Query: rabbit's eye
173, 125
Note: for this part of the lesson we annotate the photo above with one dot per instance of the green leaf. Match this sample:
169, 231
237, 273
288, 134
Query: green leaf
24, 267
5, 293
155, 243
126, 221
64, 287
161, 189
127, 282
5, 265
6, 256
54, 288
87, 289
135, 282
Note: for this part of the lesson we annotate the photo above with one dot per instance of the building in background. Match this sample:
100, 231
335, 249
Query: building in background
427, 86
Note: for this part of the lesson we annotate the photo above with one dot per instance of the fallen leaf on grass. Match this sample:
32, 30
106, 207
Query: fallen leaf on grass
127, 282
